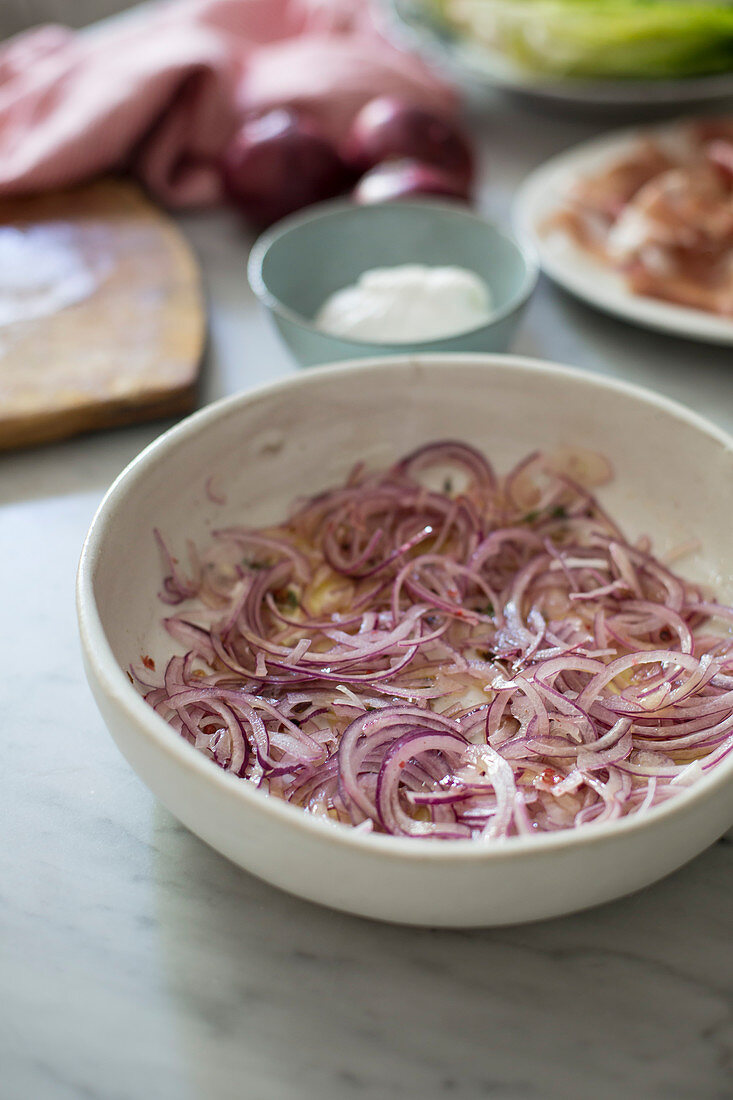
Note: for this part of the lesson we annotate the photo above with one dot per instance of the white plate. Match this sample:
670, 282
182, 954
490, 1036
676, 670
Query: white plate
542, 194
416, 27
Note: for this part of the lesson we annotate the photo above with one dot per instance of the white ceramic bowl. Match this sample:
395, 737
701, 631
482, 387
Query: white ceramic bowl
674, 479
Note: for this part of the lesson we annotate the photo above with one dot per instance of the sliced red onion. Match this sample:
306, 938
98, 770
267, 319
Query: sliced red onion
484, 660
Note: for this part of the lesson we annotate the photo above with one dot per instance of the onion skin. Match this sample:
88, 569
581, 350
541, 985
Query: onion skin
277, 164
408, 179
388, 127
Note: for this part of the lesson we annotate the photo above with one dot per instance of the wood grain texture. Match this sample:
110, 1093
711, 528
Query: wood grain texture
101, 313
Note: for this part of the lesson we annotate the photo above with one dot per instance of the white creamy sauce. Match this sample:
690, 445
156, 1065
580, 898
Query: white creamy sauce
41, 272
408, 303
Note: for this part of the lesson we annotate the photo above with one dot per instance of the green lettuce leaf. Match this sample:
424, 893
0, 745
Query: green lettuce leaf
601, 38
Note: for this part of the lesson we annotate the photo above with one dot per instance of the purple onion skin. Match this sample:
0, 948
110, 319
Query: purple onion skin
388, 127
277, 164
408, 179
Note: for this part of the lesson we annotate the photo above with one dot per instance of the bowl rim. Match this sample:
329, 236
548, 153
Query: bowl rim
343, 208
118, 689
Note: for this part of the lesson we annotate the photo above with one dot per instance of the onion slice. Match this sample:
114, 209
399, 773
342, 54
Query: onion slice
436, 652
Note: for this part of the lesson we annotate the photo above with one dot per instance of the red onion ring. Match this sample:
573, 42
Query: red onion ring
489, 660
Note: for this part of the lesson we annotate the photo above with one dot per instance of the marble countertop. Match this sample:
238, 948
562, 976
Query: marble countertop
137, 963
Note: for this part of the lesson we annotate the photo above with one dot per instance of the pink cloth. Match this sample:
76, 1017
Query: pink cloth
161, 89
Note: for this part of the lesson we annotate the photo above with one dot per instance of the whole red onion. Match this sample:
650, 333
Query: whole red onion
388, 127
277, 163
403, 179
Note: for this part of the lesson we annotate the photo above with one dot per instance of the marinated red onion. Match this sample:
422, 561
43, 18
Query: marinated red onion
471, 657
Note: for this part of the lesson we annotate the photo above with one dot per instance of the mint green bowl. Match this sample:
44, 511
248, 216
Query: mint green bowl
300, 261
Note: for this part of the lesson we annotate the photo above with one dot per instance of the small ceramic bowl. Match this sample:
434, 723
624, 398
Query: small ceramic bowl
674, 476
297, 264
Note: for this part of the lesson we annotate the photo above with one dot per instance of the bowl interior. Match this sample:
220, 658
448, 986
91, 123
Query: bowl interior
305, 259
674, 481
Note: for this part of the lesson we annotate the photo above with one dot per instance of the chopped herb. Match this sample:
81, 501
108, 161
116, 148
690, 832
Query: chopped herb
291, 600
255, 564
559, 512
530, 517
488, 609
448, 485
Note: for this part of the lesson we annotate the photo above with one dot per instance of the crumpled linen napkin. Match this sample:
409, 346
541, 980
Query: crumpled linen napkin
159, 90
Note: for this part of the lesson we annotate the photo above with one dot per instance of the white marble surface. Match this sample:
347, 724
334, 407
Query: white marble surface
135, 963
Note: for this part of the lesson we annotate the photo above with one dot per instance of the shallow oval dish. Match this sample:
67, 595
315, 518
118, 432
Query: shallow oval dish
674, 477
481, 70
544, 193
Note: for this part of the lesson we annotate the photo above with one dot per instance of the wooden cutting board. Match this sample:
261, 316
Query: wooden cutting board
101, 313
